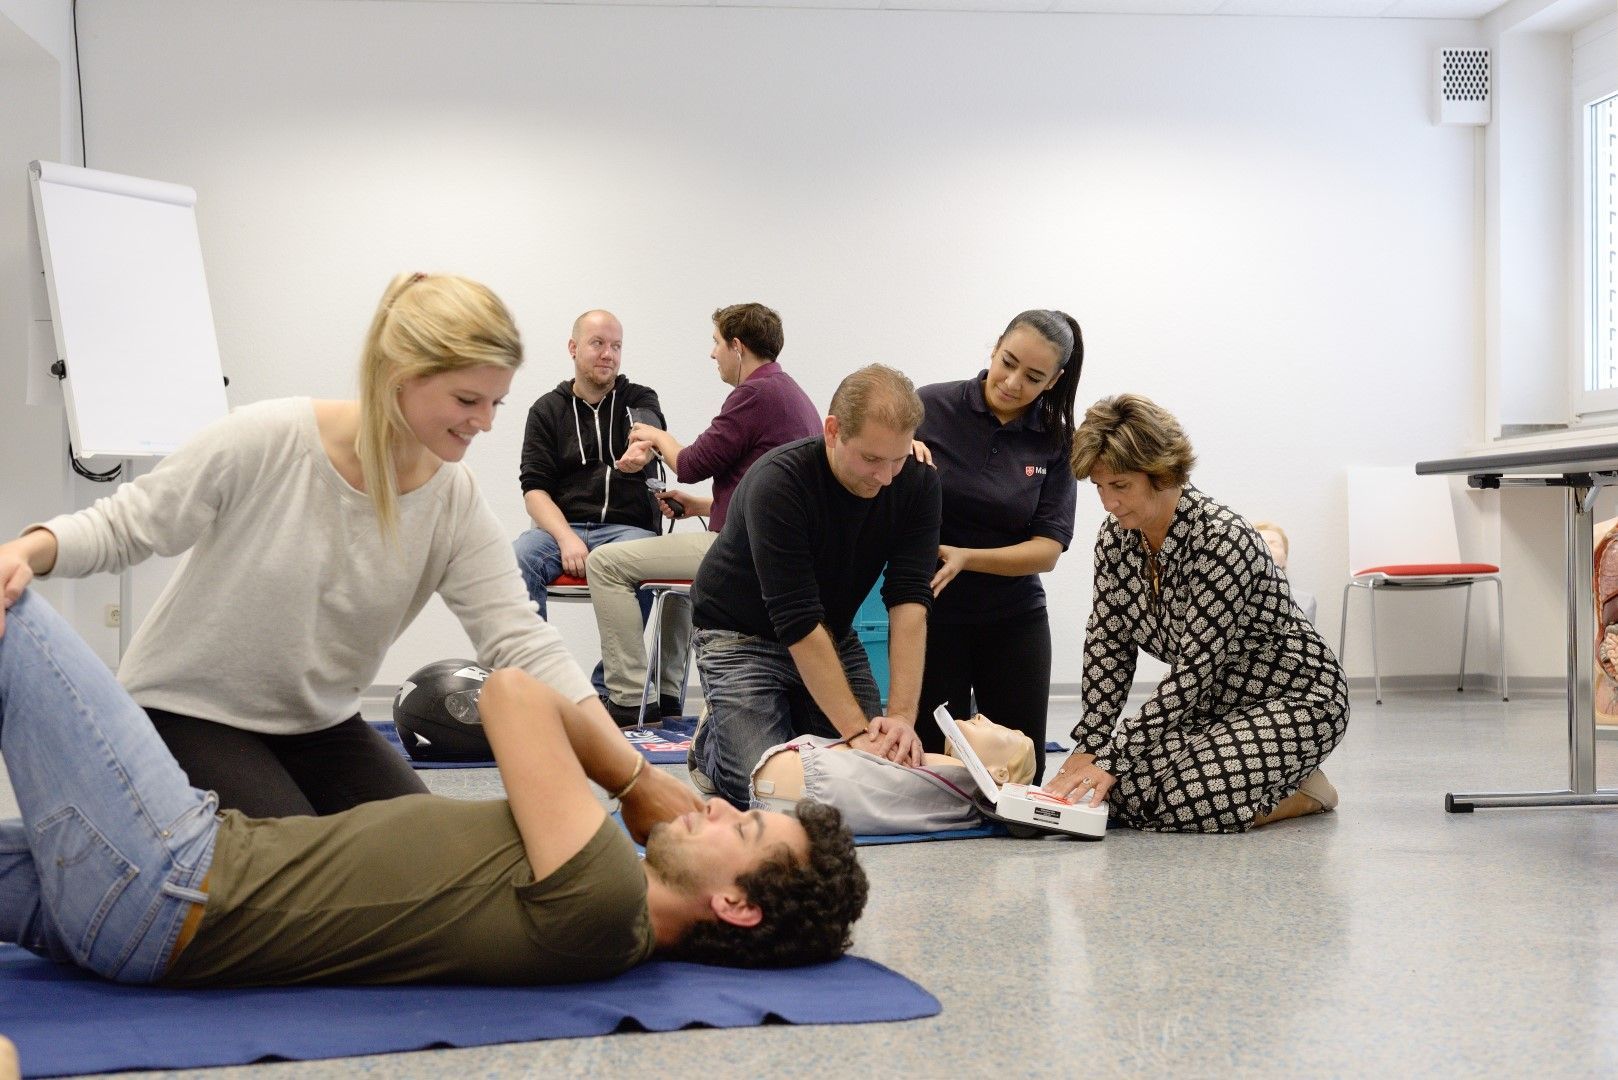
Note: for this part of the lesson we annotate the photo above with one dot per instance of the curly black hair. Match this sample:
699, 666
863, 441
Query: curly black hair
808, 907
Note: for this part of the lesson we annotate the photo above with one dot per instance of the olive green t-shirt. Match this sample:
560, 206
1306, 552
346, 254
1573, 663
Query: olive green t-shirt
415, 889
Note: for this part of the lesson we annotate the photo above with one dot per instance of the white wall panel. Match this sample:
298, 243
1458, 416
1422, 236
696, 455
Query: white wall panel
1253, 218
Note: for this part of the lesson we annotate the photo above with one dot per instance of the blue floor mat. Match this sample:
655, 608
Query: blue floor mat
66, 1021
665, 744
993, 828
975, 832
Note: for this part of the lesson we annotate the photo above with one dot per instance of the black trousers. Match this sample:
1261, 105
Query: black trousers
1005, 666
322, 772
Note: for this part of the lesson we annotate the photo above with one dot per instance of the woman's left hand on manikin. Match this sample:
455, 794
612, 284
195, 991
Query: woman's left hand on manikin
1080, 780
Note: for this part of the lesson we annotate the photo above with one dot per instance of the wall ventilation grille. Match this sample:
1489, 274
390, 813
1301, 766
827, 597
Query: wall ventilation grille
1461, 86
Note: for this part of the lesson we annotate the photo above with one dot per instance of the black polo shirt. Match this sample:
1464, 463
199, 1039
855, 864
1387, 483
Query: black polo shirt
1003, 484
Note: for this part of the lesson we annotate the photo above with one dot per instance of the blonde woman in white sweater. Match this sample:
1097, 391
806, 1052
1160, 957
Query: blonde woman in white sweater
316, 532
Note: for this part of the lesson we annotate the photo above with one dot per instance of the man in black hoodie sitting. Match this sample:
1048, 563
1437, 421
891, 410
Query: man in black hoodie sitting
574, 496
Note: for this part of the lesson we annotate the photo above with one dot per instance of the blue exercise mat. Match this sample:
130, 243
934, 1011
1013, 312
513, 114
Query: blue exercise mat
976, 832
66, 1021
663, 745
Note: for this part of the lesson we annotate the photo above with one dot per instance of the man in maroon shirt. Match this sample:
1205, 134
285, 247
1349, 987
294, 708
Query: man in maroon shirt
766, 409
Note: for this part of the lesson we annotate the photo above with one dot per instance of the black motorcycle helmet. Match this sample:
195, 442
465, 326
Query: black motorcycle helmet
436, 713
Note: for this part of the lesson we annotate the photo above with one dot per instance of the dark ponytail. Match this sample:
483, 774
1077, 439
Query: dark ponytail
1056, 404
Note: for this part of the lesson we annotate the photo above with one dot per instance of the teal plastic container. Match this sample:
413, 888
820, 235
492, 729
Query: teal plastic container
871, 626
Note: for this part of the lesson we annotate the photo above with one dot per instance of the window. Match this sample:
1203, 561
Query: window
1601, 221
1594, 127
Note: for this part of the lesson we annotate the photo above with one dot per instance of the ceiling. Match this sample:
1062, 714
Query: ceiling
1308, 9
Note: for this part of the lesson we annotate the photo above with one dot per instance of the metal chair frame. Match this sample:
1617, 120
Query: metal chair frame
662, 592
1372, 583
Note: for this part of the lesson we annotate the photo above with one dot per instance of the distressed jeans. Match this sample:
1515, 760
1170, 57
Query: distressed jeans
113, 842
756, 699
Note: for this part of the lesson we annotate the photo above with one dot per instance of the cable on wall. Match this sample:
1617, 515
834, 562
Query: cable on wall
84, 159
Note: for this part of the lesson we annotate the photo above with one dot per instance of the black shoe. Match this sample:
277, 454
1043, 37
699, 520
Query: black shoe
669, 706
623, 715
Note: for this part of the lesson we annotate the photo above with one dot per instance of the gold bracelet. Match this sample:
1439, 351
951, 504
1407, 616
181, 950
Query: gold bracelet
634, 777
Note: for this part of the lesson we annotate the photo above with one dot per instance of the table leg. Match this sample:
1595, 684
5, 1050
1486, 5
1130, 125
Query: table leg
1581, 720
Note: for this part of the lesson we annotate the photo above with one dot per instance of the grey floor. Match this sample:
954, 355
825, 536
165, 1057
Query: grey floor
1385, 939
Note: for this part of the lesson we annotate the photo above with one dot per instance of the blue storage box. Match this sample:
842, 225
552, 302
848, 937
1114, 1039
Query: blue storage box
871, 627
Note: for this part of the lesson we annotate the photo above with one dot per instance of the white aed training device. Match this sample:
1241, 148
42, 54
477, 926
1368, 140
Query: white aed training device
1019, 805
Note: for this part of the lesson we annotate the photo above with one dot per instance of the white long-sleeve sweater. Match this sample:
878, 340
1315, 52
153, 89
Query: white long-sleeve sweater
290, 596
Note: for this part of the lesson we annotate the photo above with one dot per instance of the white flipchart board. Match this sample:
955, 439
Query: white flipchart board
129, 309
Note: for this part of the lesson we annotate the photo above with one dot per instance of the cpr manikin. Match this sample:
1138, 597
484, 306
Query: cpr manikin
1275, 538
877, 796
1606, 609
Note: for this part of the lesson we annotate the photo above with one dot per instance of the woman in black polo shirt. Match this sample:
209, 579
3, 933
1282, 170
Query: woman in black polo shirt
1000, 441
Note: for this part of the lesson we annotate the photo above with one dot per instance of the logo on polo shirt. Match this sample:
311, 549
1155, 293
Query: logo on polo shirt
1033, 470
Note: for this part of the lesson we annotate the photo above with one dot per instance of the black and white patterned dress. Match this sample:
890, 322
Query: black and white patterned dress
1254, 699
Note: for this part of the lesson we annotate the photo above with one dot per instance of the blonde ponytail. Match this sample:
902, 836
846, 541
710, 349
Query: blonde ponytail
425, 325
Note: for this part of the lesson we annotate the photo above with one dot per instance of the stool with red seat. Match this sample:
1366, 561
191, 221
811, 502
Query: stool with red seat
570, 588
1401, 530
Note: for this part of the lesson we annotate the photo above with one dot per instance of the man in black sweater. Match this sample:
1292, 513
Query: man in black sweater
577, 500
810, 528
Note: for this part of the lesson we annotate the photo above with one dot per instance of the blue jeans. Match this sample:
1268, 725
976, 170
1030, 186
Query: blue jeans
756, 699
539, 556
113, 841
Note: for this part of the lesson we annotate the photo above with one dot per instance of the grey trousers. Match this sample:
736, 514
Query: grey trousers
615, 571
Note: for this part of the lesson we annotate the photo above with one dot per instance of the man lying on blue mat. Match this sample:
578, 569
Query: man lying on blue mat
122, 867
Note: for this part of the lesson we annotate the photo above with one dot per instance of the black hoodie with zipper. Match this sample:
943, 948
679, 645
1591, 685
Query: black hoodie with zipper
569, 448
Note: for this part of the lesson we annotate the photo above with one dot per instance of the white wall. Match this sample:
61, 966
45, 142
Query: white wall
1254, 219
38, 120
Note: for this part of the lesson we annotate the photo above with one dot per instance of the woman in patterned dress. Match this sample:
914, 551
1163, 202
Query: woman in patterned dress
1253, 701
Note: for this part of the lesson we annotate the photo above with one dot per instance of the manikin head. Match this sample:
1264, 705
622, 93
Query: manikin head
782, 889
874, 416
1276, 539
1006, 753
439, 356
779, 779
597, 349
745, 336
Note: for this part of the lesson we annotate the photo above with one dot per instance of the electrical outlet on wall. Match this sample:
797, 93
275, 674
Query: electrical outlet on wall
115, 615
